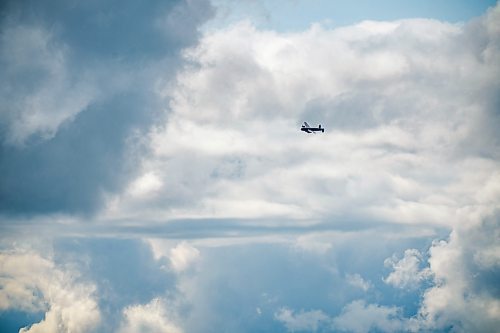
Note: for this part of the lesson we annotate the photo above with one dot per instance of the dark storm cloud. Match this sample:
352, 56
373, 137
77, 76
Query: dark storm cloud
80, 79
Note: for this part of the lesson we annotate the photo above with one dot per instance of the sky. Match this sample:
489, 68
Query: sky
297, 15
154, 178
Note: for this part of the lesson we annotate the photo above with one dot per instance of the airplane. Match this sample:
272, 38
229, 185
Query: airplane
308, 129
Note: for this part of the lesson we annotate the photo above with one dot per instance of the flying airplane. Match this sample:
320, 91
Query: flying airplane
308, 129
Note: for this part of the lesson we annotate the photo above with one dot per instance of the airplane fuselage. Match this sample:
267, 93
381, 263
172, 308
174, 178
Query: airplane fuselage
309, 129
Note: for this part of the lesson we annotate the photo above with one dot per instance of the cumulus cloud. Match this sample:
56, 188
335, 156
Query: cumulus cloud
151, 317
356, 317
32, 283
359, 317
307, 321
389, 94
181, 256
357, 281
407, 272
404, 104
144, 185
466, 270
460, 290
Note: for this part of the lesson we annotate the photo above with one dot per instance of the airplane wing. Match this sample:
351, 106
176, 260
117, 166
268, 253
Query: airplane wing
308, 131
305, 123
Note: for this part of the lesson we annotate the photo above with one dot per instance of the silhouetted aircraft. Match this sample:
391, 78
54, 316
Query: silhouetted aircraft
308, 129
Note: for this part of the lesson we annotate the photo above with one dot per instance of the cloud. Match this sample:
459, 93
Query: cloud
308, 321
358, 317
72, 115
210, 163
33, 283
357, 281
144, 185
406, 271
124, 272
182, 256
151, 317
466, 269
404, 105
388, 94
40, 93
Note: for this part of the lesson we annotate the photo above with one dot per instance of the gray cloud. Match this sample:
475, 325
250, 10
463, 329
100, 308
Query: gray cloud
69, 171
127, 31
80, 81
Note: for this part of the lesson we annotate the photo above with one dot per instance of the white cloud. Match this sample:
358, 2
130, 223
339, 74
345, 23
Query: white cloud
406, 271
32, 283
466, 271
181, 256
316, 243
358, 317
308, 321
152, 317
146, 185
388, 94
463, 275
357, 281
